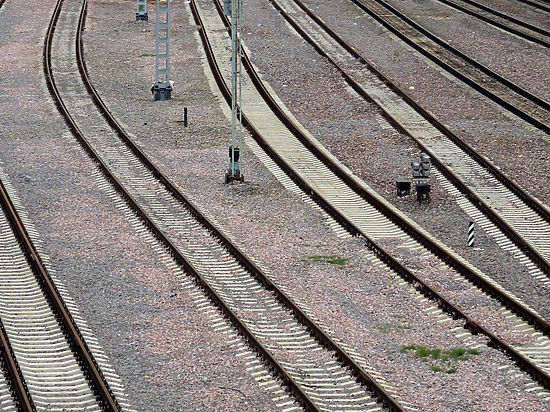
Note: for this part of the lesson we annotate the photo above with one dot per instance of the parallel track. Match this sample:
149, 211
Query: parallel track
513, 98
526, 221
310, 166
235, 285
21, 398
89, 364
501, 20
538, 4
55, 365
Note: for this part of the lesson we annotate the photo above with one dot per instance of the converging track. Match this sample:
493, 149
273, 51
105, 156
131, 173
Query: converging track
302, 363
271, 323
55, 369
520, 218
362, 212
501, 20
524, 104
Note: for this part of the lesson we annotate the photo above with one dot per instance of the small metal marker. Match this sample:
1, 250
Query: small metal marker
471, 227
141, 13
185, 117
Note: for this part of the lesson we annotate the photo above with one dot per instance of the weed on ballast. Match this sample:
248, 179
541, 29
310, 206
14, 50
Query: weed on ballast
390, 327
332, 259
441, 360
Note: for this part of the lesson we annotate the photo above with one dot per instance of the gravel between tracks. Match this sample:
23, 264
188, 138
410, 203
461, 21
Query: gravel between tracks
160, 346
518, 149
352, 130
164, 349
275, 227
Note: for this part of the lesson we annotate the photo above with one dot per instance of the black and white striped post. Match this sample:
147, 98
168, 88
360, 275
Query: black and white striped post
471, 227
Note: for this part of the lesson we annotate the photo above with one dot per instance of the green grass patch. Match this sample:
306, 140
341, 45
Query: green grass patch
390, 327
332, 259
440, 359
147, 55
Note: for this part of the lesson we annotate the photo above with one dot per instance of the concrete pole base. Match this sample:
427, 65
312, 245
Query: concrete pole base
230, 179
162, 93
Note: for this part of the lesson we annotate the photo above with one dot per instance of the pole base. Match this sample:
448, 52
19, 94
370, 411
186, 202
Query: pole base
162, 93
230, 179
143, 17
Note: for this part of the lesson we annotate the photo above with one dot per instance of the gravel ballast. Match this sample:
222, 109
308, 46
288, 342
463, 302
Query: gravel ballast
354, 131
162, 346
156, 337
292, 232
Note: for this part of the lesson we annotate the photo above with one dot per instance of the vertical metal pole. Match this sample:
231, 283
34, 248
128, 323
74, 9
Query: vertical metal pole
239, 66
162, 89
236, 100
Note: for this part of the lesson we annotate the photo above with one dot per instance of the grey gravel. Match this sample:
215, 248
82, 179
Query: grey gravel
520, 150
274, 227
164, 348
180, 363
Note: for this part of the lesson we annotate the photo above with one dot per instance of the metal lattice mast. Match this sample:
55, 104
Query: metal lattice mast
235, 172
162, 89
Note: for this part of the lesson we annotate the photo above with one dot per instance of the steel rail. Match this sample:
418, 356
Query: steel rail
77, 342
15, 375
542, 210
499, 24
159, 234
537, 4
235, 251
510, 106
536, 205
301, 396
476, 200
534, 319
535, 99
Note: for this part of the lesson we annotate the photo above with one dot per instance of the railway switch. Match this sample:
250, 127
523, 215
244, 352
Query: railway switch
141, 13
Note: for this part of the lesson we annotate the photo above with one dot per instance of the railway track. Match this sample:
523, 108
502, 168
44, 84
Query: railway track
13, 389
501, 20
55, 367
320, 176
513, 98
14, 394
520, 222
539, 4
294, 348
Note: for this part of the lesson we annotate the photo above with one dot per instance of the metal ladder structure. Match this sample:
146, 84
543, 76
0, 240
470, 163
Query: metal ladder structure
162, 89
234, 173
